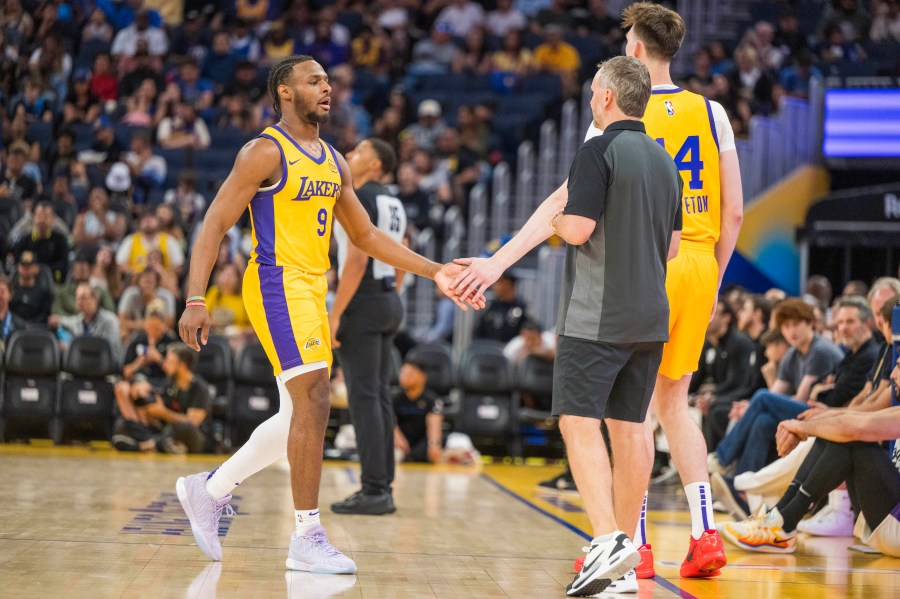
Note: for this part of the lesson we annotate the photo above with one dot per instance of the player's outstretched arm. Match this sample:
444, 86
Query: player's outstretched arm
481, 273
366, 236
257, 162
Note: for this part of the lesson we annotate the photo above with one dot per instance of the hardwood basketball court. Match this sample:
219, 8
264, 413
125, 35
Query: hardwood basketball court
90, 522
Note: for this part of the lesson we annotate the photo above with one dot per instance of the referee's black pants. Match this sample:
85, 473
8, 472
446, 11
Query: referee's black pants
366, 333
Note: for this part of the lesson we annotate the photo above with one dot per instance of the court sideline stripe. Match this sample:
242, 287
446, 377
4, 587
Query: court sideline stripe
669, 586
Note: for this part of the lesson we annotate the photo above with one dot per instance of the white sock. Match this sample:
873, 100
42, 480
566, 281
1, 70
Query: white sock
306, 519
640, 535
219, 484
267, 444
700, 501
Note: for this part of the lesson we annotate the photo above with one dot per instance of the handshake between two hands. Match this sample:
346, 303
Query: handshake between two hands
465, 279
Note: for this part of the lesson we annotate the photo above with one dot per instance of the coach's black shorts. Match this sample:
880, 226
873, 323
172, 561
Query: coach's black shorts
604, 380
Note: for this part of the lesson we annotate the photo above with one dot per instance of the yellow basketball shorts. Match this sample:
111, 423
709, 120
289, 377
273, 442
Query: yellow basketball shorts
691, 284
286, 307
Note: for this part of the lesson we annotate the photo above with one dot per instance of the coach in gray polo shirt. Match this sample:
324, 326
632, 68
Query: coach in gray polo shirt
624, 204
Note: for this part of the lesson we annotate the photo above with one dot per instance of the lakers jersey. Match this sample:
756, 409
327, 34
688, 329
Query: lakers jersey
292, 219
682, 122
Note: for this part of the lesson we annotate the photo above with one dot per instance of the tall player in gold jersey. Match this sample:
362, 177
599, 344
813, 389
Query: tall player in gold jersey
698, 135
293, 184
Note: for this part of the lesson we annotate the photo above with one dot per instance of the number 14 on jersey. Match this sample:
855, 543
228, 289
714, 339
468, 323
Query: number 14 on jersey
687, 159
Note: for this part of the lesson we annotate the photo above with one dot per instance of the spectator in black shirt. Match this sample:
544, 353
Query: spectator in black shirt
419, 413
9, 322
414, 199
14, 183
104, 149
170, 417
32, 290
47, 245
503, 318
62, 154
143, 69
788, 37
753, 321
245, 82
854, 320
144, 355
725, 361
724, 367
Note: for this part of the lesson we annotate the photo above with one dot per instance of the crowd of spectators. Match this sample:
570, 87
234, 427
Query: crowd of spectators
780, 57
103, 99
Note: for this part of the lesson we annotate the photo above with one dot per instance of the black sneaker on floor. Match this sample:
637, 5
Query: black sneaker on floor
371, 504
723, 489
124, 443
564, 483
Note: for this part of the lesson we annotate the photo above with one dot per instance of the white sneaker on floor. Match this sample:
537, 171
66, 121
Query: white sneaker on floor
830, 522
605, 563
313, 552
626, 584
203, 512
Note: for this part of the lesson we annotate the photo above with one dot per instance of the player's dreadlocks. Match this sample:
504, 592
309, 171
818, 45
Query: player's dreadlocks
280, 74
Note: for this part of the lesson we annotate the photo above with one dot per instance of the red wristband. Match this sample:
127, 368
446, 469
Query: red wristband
198, 304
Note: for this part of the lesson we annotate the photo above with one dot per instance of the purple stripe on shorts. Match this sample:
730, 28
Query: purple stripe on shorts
271, 285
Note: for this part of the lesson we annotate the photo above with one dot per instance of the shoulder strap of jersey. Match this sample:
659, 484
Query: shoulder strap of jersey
273, 135
336, 161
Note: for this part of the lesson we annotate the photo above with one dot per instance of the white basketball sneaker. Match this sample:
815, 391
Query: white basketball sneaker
313, 552
604, 564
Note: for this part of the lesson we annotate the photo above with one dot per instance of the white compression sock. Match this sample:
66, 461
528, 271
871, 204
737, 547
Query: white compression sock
700, 501
306, 520
640, 535
267, 444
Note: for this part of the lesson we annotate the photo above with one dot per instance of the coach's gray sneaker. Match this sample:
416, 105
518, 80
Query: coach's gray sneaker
203, 512
313, 552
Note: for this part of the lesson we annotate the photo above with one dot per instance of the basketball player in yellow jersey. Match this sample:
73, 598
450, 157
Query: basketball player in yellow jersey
293, 184
698, 135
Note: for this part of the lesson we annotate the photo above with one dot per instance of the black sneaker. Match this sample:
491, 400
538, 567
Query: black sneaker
372, 504
723, 489
604, 563
124, 443
564, 483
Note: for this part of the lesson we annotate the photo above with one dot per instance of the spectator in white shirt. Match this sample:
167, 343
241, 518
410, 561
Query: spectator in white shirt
462, 16
531, 341
125, 42
506, 18
148, 170
184, 130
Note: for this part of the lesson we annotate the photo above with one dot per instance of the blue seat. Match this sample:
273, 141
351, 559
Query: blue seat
89, 51
40, 132
542, 82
